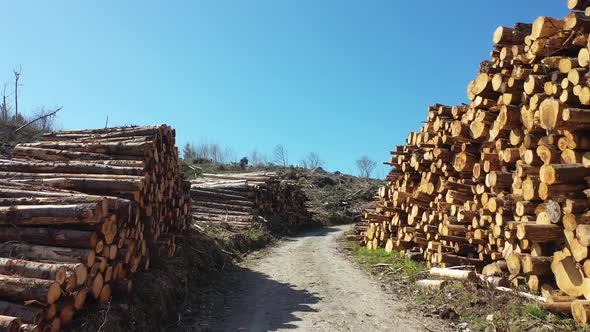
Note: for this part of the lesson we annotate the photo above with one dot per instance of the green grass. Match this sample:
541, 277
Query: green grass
535, 310
471, 303
475, 323
397, 261
421, 298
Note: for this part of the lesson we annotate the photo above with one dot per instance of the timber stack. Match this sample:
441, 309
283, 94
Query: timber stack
502, 183
81, 211
238, 201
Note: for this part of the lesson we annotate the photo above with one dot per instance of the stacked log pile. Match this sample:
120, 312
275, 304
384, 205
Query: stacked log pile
80, 212
238, 200
502, 183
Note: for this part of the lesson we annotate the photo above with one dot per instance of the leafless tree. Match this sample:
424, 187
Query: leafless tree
280, 156
255, 158
16, 85
311, 161
4, 106
365, 166
229, 155
264, 160
216, 153
202, 151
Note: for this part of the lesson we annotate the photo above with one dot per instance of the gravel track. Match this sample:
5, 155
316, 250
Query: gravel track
305, 284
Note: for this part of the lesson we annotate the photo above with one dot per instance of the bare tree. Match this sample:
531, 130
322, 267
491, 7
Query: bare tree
16, 78
216, 153
311, 161
264, 161
4, 106
255, 158
280, 156
365, 166
230, 155
202, 151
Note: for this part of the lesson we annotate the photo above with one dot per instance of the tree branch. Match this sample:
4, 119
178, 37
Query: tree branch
37, 119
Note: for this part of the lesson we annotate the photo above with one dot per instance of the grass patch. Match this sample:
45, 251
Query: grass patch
459, 301
421, 298
395, 260
476, 323
535, 310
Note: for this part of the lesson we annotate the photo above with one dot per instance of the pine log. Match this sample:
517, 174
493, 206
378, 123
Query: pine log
539, 232
581, 311
27, 313
453, 274
50, 236
561, 173
25, 289
70, 255
88, 213
9, 324
23, 268
432, 284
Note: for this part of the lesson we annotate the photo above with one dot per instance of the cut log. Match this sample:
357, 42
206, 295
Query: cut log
59, 254
453, 274
23, 268
50, 236
581, 311
9, 324
26, 289
539, 232
27, 313
51, 214
562, 173
568, 276
432, 284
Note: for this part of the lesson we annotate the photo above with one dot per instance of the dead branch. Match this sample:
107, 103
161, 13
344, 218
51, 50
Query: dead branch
38, 118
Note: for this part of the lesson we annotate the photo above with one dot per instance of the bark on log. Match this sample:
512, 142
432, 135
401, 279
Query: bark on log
26, 289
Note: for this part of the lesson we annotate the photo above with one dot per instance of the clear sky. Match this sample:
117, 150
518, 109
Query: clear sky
340, 78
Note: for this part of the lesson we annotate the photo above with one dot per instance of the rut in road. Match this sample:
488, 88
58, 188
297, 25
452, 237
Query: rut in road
305, 284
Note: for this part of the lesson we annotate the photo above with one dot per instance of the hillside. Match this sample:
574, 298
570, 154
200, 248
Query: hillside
335, 197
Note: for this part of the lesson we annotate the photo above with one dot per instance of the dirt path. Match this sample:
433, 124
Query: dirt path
305, 284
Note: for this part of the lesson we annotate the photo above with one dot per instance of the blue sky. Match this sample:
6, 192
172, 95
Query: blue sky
340, 78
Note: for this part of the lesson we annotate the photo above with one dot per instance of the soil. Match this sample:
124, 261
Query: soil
303, 283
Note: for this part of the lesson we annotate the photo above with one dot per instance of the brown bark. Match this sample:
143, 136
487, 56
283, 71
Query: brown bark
9, 324
23, 268
25, 289
50, 236
87, 213
59, 254
27, 313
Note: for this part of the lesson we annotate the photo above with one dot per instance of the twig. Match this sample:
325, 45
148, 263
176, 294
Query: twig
394, 271
427, 328
522, 294
414, 275
105, 317
461, 267
199, 227
37, 119
536, 321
